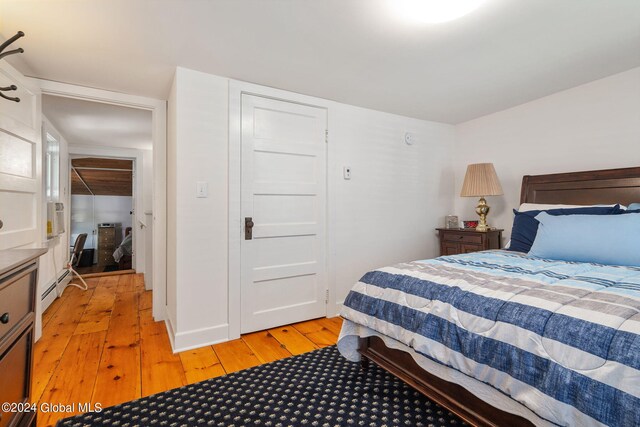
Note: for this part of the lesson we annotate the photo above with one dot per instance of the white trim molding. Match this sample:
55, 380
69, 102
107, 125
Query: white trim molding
76, 151
188, 340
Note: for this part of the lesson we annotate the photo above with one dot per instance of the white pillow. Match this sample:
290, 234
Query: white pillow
543, 207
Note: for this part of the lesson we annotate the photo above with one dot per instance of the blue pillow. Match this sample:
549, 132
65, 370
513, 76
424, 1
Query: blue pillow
601, 239
525, 225
633, 207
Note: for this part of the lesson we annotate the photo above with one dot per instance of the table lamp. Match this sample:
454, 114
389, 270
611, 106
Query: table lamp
480, 181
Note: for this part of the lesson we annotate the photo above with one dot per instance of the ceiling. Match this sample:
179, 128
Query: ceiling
354, 51
101, 177
97, 124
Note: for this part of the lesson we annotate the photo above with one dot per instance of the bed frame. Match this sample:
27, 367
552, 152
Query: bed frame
575, 188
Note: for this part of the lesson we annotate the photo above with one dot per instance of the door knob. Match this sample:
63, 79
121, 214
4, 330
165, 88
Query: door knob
248, 228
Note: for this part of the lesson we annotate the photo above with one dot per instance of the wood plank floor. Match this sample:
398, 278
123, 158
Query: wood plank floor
102, 346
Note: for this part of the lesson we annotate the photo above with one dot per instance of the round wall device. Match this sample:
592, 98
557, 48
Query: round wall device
408, 138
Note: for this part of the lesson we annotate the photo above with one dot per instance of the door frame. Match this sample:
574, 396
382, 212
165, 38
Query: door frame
236, 90
158, 109
136, 156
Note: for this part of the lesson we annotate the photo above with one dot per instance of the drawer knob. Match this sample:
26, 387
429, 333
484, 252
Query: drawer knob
4, 319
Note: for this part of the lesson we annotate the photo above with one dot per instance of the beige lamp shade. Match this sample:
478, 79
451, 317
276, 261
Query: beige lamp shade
481, 180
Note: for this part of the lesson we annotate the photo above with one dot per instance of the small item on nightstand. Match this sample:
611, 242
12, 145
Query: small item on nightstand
451, 221
470, 224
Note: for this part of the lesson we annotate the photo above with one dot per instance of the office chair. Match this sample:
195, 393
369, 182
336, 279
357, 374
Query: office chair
78, 247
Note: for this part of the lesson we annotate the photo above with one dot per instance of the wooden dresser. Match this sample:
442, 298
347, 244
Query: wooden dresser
455, 241
109, 237
18, 283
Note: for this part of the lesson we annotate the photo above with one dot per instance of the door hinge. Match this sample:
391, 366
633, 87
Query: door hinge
326, 135
326, 296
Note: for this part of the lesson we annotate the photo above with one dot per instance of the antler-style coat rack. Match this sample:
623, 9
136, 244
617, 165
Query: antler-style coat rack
3, 46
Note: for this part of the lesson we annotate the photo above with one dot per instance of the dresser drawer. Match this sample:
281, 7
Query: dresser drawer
108, 239
463, 238
15, 367
15, 299
105, 257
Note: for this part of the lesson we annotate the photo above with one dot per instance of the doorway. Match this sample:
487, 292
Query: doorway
156, 176
110, 180
102, 209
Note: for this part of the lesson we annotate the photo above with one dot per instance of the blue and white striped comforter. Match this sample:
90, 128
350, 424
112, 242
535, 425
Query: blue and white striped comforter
561, 338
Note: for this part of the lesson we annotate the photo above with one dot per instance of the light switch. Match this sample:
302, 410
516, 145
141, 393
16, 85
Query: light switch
202, 189
346, 172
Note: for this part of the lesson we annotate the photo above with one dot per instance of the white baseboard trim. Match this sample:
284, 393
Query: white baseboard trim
188, 340
169, 326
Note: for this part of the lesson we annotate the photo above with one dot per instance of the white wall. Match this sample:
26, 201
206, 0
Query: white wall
88, 211
593, 126
385, 214
398, 193
197, 227
172, 208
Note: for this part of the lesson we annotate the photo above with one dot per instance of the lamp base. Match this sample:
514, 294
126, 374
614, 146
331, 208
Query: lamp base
482, 210
484, 228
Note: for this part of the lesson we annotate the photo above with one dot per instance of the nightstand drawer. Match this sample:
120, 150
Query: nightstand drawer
455, 241
463, 238
467, 248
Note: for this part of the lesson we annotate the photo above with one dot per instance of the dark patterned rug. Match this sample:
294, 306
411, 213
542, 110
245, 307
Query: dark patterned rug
319, 388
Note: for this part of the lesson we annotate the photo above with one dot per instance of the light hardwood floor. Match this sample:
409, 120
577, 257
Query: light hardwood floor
102, 346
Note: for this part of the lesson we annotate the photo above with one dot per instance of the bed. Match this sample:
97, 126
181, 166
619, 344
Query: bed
517, 351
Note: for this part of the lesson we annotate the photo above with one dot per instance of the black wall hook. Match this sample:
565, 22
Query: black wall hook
11, 52
10, 98
3, 46
6, 44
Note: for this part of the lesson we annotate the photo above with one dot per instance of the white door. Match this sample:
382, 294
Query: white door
283, 276
19, 162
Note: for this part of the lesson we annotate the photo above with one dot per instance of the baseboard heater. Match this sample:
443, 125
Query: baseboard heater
48, 296
50, 289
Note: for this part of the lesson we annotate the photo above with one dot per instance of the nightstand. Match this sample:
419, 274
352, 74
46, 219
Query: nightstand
464, 240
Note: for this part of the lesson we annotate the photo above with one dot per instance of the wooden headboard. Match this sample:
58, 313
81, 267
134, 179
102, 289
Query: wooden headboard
583, 188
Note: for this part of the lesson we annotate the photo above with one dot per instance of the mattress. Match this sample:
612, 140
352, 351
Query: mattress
562, 339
